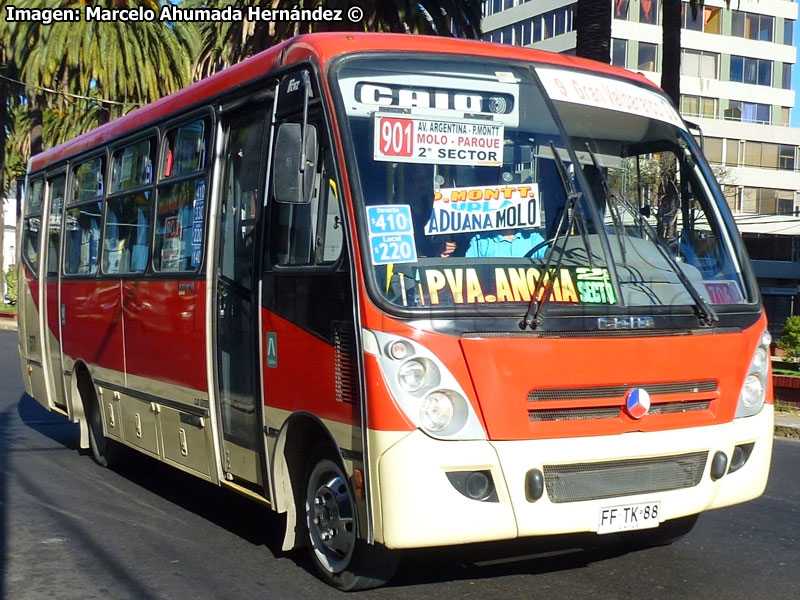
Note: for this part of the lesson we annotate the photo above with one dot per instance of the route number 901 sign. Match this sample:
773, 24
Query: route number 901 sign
391, 234
438, 141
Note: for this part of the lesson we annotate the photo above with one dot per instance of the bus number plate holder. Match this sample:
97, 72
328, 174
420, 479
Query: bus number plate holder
628, 517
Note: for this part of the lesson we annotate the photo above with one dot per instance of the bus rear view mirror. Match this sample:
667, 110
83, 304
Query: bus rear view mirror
295, 163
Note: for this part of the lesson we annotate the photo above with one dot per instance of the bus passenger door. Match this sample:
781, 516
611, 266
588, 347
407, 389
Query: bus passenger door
51, 307
309, 344
238, 391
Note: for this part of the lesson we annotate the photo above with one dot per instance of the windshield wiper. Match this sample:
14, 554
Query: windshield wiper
706, 313
533, 316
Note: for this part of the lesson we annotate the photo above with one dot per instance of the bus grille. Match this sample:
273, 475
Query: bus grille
607, 401
609, 479
613, 412
614, 391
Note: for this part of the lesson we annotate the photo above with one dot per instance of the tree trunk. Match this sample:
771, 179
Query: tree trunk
37, 102
671, 50
593, 30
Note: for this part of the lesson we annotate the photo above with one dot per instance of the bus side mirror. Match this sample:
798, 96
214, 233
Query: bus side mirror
295, 163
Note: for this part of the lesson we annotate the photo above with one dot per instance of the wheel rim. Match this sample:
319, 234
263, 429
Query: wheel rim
329, 511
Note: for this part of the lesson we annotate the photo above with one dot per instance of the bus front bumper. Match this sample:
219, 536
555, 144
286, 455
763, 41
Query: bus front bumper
416, 505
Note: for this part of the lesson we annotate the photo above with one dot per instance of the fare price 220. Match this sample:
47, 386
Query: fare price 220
391, 234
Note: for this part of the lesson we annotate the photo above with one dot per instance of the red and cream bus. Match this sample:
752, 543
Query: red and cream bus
410, 291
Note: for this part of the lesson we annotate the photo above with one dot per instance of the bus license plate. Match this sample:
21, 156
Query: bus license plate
628, 517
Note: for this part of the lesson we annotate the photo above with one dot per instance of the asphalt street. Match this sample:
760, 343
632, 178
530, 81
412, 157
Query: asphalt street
71, 530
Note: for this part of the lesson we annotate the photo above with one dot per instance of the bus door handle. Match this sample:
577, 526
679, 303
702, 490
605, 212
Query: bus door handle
63, 314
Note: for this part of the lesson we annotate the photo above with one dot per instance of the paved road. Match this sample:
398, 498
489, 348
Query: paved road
71, 530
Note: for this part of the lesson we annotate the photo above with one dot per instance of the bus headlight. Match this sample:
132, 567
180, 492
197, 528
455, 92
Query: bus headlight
414, 374
436, 412
423, 387
753, 393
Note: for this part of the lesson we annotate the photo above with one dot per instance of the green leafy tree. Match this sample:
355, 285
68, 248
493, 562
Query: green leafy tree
73, 68
224, 44
11, 285
790, 337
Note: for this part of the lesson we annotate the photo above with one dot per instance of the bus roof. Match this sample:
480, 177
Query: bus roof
323, 47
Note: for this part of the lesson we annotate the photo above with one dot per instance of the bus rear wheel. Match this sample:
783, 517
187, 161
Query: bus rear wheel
340, 557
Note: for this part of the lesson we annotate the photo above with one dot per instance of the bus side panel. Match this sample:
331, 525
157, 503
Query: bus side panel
300, 375
165, 331
53, 341
92, 328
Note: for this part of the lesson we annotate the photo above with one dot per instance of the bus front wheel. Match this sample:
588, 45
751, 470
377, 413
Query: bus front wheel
340, 557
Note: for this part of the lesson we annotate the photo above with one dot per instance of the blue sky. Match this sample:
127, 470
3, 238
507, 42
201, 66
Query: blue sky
796, 83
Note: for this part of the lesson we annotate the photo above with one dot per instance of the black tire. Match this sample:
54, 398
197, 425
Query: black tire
105, 452
339, 556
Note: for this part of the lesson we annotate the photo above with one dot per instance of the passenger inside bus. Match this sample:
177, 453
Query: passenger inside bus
507, 243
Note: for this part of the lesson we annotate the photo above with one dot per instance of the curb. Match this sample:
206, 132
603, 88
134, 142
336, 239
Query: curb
787, 431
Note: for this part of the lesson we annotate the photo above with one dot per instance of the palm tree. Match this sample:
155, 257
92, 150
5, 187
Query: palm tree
131, 63
593, 30
225, 44
671, 47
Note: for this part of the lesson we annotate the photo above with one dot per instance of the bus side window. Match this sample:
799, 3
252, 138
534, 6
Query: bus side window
83, 218
57, 189
180, 207
33, 224
126, 240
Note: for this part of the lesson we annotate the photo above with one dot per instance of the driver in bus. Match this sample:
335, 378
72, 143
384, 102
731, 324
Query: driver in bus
418, 189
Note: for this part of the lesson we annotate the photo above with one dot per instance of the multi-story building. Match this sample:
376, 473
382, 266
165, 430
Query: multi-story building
8, 236
736, 66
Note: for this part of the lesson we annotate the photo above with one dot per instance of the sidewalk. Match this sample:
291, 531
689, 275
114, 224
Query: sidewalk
787, 425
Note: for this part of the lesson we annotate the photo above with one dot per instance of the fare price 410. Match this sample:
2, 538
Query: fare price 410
389, 222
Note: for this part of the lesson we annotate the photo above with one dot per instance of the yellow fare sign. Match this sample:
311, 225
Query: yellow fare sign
488, 284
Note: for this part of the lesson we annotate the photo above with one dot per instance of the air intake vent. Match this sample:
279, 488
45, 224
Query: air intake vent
345, 369
609, 479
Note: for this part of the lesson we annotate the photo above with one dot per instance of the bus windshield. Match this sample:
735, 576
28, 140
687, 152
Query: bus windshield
469, 194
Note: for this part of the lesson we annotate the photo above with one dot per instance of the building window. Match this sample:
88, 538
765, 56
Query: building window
619, 52
731, 152
785, 202
786, 78
767, 201
691, 19
647, 57
753, 26
699, 106
648, 12
696, 63
712, 148
748, 112
706, 19
788, 29
786, 157
621, 9
755, 71
761, 154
